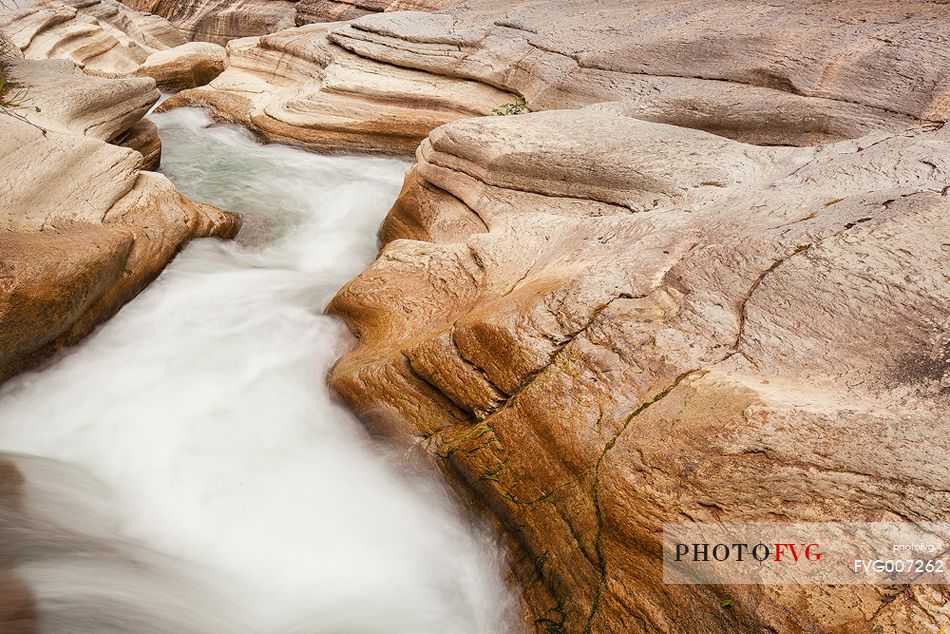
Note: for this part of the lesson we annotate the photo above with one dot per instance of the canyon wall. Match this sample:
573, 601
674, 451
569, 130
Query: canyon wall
83, 225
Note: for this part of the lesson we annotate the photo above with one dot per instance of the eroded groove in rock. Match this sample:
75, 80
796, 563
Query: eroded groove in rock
297, 87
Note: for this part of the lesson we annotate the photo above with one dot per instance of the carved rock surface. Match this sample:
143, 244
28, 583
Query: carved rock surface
221, 20
186, 66
108, 39
600, 324
83, 227
297, 87
312, 11
831, 72
602, 319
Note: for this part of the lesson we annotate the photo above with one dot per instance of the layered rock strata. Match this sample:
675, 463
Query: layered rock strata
314, 11
297, 87
600, 324
221, 20
833, 71
83, 227
107, 39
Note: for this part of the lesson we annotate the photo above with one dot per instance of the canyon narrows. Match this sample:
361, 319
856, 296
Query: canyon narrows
199, 409
655, 263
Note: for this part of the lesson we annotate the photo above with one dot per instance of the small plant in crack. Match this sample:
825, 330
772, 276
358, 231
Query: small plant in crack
13, 96
517, 106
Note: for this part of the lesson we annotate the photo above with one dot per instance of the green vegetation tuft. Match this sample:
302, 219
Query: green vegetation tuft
518, 106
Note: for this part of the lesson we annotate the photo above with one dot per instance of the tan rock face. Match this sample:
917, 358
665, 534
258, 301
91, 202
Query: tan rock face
600, 324
82, 227
314, 11
831, 72
221, 20
185, 66
297, 87
106, 38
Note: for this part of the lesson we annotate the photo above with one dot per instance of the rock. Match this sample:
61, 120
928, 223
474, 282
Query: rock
107, 39
83, 227
595, 341
296, 87
830, 73
186, 66
218, 21
58, 96
143, 137
315, 11
603, 319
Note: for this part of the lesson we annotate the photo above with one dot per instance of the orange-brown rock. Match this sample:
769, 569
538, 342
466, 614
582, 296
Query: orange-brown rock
600, 320
597, 340
83, 227
185, 66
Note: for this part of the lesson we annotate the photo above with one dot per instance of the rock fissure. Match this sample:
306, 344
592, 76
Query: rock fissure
595, 491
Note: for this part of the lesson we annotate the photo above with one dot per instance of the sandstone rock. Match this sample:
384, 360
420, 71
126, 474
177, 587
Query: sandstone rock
58, 96
832, 71
600, 324
314, 11
82, 227
106, 38
604, 319
295, 86
187, 66
143, 137
221, 20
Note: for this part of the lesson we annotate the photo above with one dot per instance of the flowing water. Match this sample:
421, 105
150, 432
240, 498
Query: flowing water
186, 467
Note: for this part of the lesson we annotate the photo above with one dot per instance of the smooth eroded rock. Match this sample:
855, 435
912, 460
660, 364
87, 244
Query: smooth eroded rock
599, 324
108, 39
296, 87
314, 11
218, 21
831, 72
186, 66
83, 227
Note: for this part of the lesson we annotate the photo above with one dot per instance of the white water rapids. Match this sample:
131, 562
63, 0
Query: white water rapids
191, 472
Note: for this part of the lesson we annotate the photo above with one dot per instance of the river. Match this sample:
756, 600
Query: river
187, 468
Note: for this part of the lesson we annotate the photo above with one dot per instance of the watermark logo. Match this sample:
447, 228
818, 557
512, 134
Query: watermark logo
806, 553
